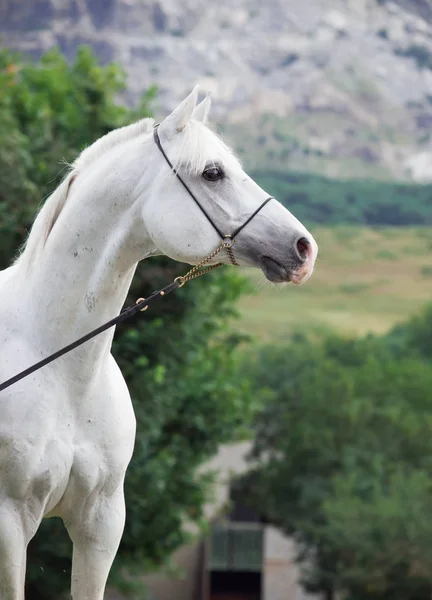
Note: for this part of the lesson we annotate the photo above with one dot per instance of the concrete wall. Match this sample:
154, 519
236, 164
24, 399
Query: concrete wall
229, 461
187, 584
280, 573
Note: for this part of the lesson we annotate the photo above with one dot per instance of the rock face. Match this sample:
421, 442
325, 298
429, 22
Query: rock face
345, 84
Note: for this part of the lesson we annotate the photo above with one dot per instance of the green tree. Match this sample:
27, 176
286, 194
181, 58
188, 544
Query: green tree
378, 524
179, 359
415, 336
48, 113
343, 463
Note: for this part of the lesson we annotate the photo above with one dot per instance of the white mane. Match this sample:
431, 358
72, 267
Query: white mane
197, 147
54, 204
111, 139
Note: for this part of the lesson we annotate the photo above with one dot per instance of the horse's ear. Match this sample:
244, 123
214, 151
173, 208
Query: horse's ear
202, 110
177, 120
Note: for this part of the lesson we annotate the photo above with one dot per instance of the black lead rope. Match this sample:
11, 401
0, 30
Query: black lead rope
143, 303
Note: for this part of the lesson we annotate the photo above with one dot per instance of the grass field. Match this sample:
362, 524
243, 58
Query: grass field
364, 280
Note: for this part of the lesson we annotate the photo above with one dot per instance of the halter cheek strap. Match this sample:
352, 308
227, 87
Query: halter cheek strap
227, 239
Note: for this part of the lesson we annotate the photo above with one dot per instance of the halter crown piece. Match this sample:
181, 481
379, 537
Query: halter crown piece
227, 239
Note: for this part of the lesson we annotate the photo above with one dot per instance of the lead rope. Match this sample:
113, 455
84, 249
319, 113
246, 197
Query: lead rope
140, 305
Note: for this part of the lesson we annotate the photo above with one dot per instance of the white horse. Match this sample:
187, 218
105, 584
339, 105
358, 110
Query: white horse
67, 431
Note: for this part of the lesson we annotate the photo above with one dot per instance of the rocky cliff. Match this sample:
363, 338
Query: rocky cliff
342, 87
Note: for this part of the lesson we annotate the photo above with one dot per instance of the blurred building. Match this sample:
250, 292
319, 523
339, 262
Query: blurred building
242, 558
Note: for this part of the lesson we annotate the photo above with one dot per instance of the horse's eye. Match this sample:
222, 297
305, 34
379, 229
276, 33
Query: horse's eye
212, 174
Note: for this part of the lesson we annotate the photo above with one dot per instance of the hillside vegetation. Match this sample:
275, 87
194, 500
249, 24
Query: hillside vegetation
316, 199
365, 280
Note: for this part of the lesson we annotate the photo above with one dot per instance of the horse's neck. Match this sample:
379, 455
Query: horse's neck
81, 277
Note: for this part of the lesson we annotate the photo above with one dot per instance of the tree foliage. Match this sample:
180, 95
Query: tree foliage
179, 359
48, 113
343, 459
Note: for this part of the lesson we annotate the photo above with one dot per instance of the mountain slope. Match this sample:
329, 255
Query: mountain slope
346, 84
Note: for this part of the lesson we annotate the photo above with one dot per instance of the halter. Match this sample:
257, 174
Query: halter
142, 304
227, 239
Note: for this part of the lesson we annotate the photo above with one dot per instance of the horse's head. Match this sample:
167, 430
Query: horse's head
273, 240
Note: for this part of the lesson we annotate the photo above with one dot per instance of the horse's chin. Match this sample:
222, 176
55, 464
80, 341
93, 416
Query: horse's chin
274, 271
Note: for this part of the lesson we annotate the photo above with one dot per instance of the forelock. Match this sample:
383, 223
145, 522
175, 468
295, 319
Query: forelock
198, 146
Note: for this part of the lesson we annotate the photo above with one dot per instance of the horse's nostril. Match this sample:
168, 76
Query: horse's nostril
302, 247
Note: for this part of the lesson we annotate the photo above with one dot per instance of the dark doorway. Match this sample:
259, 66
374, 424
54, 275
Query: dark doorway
235, 585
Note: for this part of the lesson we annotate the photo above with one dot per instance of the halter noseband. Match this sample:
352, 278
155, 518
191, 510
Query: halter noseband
227, 239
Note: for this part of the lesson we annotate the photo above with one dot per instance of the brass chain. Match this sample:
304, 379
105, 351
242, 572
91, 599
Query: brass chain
197, 271
231, 255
